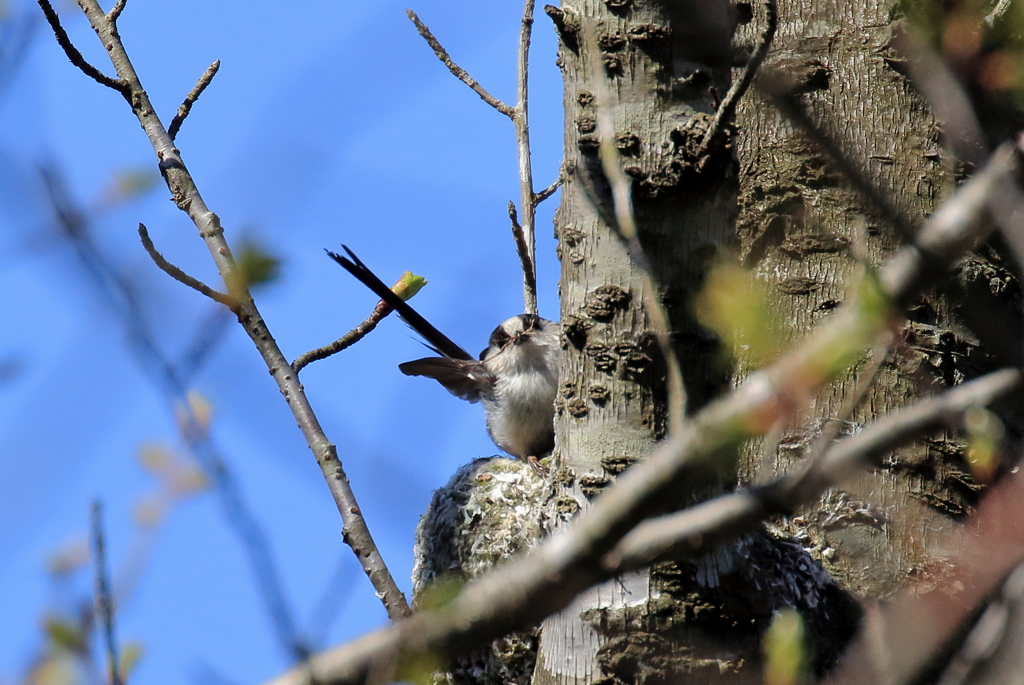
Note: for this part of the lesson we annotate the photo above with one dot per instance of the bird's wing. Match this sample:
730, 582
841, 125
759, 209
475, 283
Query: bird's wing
437, 340
465, 378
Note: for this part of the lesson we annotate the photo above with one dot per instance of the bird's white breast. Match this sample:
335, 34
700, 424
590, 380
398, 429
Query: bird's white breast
520, 414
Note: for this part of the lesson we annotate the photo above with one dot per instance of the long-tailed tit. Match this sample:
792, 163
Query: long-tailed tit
515, 378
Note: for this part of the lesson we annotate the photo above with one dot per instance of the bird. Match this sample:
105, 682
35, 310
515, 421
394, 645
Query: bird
515, 377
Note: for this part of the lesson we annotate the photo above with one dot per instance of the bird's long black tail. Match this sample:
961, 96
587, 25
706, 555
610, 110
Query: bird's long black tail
438, 340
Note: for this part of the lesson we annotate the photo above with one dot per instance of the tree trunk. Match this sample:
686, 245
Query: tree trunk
695, 620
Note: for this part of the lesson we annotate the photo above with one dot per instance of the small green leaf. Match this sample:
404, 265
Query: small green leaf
785, 652
733, 304
131, 654
441, 592
65, 634
133, 182
984, 436
408, 285
874, 313
256, 264
419, 668
874, 302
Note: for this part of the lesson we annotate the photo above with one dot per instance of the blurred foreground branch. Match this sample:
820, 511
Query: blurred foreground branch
104, 597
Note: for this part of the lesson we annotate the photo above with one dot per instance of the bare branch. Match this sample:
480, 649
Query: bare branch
186, 195
103, 595
115, 12
120, 85
621, 186
348, 340
955, 227
550, 190
527, 199
525, 257
177, 274
727, 108
191, 98
962, 135
458, 71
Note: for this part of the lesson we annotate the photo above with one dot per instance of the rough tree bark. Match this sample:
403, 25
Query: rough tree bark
611, 405
807, 235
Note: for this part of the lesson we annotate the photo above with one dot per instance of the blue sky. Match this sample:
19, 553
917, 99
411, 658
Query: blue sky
326, 124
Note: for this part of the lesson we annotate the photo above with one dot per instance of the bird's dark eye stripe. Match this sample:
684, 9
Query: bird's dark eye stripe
499, 337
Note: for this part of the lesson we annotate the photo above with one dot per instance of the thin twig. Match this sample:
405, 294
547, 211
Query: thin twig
527, 199
550, 190
103, 596
120, 85
187, 197
115, 12
458, 71
191, 98
177, 274
19, 32
336, 593
727, 108
435, 338
626, 228
348, 340
523, 250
